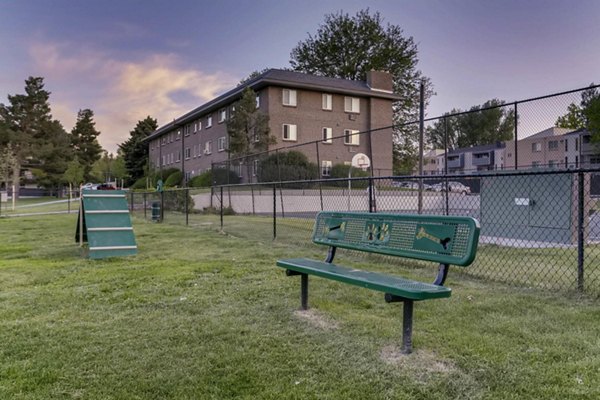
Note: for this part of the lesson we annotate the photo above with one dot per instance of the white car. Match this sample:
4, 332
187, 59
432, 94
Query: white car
458, 187
90, 186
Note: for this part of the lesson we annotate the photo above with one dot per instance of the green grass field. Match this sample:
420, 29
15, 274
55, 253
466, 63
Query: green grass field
200, 314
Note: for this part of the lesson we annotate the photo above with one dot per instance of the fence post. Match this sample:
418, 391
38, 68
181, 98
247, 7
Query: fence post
162, 206
580, 231
516, 122
187, 194
145, 204
370, 190
131, 203
274, 212
221, 212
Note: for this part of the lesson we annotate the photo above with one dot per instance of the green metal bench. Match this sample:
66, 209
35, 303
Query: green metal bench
446, 240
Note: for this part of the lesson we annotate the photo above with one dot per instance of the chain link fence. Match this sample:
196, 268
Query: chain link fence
539, 229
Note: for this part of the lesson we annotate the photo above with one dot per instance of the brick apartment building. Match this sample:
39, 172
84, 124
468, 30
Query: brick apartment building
302, 108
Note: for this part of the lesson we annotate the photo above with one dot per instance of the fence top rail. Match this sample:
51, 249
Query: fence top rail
418, 177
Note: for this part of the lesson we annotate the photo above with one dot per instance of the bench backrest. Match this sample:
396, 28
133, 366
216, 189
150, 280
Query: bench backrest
444, 239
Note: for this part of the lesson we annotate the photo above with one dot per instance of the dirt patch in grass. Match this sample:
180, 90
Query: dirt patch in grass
424, 364
316, 320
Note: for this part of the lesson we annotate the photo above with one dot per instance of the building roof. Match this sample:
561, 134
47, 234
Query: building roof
477, 149
553, 131
283, 78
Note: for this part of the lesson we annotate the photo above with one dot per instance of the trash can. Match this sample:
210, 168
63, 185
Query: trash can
156, 211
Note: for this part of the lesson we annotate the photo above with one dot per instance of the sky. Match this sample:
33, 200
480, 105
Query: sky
127, 59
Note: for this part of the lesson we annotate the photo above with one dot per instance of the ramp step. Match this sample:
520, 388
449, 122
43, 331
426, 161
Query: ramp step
124, 228
113, 248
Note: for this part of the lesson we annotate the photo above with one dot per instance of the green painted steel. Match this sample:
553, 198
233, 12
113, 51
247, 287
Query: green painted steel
106, 224
443, 239
530, 207
383, 283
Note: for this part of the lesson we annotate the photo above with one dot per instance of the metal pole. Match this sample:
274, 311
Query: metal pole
145, 204
320, 176
274, 211
80, 217
580, 231
370, 190
421, 142
221, 207
516, 122
187, 194
446, 194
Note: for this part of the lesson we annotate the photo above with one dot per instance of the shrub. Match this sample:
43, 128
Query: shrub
341, 171
174, 200
287, 166
140, 184
217, 176
174, 179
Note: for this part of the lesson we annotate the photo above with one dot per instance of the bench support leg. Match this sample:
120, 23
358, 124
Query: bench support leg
407, 327
304, 291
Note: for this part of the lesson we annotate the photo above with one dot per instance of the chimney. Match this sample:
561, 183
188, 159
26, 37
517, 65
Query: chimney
380, 80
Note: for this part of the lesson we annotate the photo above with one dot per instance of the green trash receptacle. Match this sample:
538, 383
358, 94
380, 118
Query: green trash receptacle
156, 211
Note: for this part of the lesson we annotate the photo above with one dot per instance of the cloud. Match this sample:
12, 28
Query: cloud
122, 92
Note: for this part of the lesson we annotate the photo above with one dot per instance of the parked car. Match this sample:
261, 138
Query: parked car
105, 186
90, 186
458, 187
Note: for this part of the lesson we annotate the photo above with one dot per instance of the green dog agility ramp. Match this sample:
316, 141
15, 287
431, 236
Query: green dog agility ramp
104, 223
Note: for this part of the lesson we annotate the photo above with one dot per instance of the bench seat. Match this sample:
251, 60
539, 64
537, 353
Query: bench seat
395, 285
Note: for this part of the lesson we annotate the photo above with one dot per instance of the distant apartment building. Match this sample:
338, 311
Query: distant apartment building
551, 148
301, 108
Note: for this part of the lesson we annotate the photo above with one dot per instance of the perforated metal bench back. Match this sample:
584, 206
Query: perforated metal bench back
444, 239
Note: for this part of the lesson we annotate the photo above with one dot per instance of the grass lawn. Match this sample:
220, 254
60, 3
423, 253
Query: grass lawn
203, 315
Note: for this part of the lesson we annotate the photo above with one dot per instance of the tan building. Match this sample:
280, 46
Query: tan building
302, 109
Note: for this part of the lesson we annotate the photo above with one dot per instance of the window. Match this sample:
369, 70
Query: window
178, 134
209, 121
325, 168
594, 160
351, 137
566, 145
536, 147
188, 153
195, 151
352, 104
231, 111
221, 143
222, 115
289, 97
195, 126
257, 100
327, 135
585, 139
255, 136
164, 161
553, 145
187, 130
199, 126
178, 156
553, 163
289, 132
327, 101
208, 147
158, 161
254, 167
535, 164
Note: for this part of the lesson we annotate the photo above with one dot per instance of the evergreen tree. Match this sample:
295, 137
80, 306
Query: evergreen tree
36, 141
84, 141
135, 151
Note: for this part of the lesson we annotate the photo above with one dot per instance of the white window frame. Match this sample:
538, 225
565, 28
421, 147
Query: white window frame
209, 121
257, 100
222, 115
292, 132
221, 143
327, 135
326, 168
208, 147
327, 102
536, 147
351, 137
178, 156
352, 105
289, 97
254, 167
